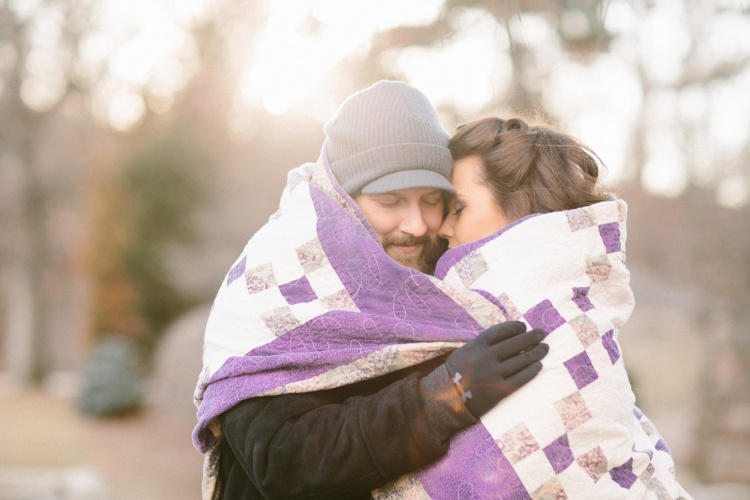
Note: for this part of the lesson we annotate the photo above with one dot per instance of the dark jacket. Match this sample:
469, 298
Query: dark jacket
343, 442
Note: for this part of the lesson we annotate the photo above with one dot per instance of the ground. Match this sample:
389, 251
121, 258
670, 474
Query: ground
51, 451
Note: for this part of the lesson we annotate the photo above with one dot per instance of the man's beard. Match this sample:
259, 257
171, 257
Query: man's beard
425, 261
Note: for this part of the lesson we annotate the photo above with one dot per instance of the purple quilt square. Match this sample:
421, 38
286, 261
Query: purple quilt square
661, 445
608, 340
544, 316
581, 298
237, 271
610, 234
581, 369
559, 454
477, 469
623, 475
298, 291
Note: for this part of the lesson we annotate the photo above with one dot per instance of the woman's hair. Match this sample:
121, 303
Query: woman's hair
530, 169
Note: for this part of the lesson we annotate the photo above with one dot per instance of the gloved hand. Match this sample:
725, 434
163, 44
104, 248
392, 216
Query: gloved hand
494, 364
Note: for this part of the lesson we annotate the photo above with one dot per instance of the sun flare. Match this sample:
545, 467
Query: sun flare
303, 41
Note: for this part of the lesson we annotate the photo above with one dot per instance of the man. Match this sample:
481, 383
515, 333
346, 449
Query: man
387, 150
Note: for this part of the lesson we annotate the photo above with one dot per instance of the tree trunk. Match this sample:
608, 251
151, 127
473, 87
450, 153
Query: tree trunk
23, 214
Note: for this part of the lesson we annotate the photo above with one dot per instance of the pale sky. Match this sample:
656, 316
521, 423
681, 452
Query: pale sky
599, 102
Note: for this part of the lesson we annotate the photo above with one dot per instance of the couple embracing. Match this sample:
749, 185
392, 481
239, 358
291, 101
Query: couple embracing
349, 354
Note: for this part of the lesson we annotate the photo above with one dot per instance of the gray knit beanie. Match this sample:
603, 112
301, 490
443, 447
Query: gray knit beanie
388, 137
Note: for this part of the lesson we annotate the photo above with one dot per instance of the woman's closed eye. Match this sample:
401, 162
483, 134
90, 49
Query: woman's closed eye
457, 209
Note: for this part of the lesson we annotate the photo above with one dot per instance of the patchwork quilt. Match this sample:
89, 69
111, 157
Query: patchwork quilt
313, 302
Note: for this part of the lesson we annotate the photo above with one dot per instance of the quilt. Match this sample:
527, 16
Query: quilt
313, 302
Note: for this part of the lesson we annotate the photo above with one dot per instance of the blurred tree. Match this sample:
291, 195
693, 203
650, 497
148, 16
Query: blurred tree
149, 206
39, 55
66, 95
578, 24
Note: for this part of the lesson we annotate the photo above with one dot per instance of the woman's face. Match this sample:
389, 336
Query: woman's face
473, 213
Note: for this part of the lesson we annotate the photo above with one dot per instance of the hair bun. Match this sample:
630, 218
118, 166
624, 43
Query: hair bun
515, 124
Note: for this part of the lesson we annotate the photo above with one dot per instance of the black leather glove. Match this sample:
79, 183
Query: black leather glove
494, 364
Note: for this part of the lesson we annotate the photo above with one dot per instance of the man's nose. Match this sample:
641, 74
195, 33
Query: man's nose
413, 222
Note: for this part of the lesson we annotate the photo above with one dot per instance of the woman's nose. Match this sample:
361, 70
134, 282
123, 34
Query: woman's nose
446, 228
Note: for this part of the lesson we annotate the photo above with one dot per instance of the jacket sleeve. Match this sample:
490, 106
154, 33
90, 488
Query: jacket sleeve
347, 441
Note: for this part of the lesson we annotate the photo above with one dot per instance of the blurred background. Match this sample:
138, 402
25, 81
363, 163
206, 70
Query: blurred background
143, 142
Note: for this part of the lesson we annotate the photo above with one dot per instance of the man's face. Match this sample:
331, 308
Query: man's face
406, 223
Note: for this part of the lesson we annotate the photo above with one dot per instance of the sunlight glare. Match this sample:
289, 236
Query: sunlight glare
45, 83
727, 39
664, 171
604, 135
460, 73
663, 177
25, 9
732, 191
142, 45
665, 42
292, 60
188, 11
728, 115
465, 71
125, 109
144, 53
597, 102
287, 62
620, 17
692, 105
378, 15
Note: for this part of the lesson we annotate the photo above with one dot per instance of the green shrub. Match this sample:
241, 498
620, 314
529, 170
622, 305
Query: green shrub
113, 378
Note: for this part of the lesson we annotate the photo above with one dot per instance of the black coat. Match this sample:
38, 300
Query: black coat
339, 443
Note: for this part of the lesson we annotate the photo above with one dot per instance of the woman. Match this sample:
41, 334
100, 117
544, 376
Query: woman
532, 231
504, 170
